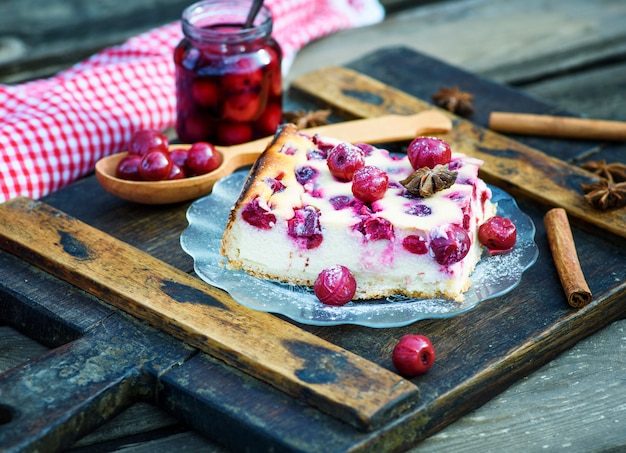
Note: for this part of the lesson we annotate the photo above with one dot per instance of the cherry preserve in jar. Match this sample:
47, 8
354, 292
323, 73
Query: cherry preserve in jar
228, 78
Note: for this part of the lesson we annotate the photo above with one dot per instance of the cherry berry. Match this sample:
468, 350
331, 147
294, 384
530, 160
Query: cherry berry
451, 246
179, 156
128, 168
177, 172
335, 286
343, 160
147, 140
369, 184
231, 133
155, 165
498, 233
428, 152
269, 120
202, 158
413, 355
205, 92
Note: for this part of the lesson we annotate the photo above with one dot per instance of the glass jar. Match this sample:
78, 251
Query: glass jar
228, 78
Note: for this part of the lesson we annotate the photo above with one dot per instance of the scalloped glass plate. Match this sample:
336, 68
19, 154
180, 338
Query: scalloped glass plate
494, 275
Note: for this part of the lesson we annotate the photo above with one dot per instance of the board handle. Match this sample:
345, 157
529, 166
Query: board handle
48, 403
354, 389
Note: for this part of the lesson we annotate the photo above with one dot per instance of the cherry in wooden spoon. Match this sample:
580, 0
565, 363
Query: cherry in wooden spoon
383, 129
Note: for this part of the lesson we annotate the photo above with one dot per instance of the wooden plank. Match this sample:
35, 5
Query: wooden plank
61, 33
422, 76
301, 364
597, 92
16, 348
509, 41
480, 353
509, 164
82, 383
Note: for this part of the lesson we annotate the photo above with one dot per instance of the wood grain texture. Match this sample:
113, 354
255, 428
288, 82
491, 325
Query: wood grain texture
15, 349
80, 384
497, 348
508, 41
497, 38
289, 358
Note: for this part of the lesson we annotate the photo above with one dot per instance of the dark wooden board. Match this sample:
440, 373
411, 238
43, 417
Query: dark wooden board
205, 317
480, 353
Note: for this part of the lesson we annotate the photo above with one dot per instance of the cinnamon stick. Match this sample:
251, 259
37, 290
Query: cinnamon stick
565, 258
557, 126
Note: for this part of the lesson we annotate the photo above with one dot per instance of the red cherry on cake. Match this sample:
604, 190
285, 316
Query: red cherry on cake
413, 355
343, 160
155, 166
202, 158
428, 152
147, 140
369, 183
258, 216
415, 244
498, 233
452, 246
335, 286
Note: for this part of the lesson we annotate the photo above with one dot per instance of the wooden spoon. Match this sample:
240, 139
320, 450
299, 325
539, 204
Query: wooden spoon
383, 129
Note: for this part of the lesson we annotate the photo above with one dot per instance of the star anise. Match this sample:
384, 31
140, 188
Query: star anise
605, 194
615, 172
427, 181
454, 100
311, 118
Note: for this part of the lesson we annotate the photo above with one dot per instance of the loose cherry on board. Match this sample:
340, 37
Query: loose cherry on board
413, 355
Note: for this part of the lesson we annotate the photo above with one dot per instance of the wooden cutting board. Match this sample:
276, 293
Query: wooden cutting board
266, 382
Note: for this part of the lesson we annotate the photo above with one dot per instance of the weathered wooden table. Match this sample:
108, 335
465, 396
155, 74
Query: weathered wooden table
569, 396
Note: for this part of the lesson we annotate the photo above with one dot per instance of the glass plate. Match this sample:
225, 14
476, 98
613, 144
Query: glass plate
494, 275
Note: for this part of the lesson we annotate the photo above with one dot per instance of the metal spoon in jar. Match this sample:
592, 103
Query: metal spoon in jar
254, 10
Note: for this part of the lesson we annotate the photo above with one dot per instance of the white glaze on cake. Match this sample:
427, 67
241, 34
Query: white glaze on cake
375, 254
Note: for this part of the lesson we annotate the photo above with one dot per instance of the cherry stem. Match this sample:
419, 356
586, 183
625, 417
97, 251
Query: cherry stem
254, 10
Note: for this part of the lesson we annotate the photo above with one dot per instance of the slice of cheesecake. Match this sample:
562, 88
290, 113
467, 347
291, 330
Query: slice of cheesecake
294, 218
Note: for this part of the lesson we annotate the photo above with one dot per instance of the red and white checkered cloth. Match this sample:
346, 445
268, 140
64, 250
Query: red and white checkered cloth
52, 131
